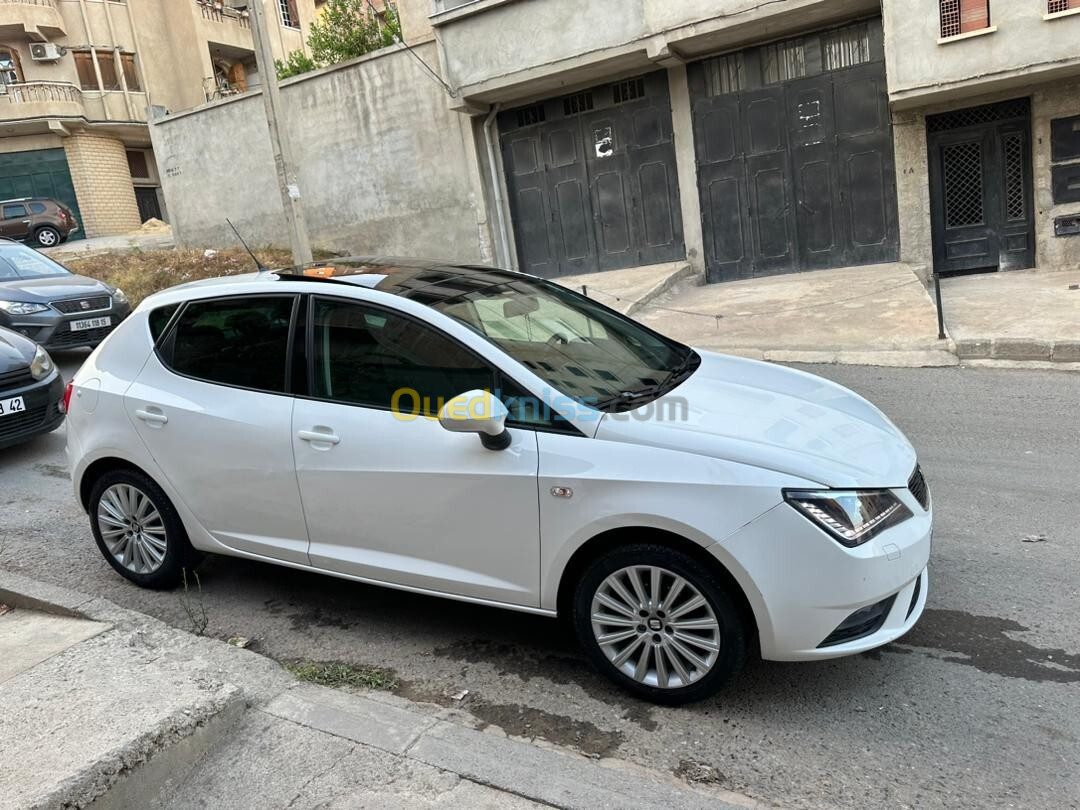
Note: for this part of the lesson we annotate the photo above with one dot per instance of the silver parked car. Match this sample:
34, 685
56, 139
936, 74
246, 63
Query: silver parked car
46, 302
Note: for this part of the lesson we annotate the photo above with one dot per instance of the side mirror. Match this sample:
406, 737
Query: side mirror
477, 412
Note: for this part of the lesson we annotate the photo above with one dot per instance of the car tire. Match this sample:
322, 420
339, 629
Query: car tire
675, 633
47, 237
153, 549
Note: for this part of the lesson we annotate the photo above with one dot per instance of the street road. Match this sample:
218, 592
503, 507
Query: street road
978, 707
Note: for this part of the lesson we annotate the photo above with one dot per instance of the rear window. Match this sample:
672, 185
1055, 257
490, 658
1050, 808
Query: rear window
20, 261
37, 208
236, 342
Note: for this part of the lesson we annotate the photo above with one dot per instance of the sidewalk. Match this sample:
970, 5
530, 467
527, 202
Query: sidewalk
107, 708
873, 315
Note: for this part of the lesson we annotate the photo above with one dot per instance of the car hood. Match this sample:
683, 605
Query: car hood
775, 418
15, 351
51, 288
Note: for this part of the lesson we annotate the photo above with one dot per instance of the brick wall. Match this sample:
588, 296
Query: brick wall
99, 171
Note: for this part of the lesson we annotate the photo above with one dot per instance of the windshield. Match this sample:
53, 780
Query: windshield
19, 261
580, 348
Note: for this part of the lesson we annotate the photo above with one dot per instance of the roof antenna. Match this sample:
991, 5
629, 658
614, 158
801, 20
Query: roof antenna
262, 268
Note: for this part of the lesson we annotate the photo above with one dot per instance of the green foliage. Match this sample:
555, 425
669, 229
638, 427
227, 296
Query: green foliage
350, 28
297, 62
338, 675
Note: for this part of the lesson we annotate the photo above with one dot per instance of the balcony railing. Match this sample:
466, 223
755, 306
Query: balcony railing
47, 3
40, 92
218, 11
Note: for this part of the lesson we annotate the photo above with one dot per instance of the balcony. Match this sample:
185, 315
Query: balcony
38, 20
221, 12
40, 100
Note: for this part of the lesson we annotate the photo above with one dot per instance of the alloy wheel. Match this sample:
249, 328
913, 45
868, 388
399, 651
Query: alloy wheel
655, 626
132, 528
47, 238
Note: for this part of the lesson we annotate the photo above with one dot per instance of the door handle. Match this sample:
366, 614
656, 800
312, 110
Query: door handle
152, 417
318, 437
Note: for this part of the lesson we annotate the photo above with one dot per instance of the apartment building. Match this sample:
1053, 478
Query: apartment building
756, 138
79, 80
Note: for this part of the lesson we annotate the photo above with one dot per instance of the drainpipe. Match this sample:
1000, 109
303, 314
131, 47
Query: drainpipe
93, 58
503, 246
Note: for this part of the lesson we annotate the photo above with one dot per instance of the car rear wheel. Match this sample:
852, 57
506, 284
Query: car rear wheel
47, 237
138, 530
659, 623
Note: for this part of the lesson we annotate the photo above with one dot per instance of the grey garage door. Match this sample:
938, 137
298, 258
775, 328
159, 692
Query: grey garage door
795, 156
592, 179
39, 173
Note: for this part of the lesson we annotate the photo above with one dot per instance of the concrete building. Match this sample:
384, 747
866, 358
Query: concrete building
742, 137
79, 78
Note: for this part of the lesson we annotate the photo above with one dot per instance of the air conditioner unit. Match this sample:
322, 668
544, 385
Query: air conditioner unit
45, 52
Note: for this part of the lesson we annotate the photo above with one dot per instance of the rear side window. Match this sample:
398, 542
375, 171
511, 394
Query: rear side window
159, 319
37, 208
237, 342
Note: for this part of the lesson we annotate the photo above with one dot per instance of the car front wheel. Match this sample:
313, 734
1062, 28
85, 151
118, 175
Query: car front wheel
138, 530
659, 623
47, 237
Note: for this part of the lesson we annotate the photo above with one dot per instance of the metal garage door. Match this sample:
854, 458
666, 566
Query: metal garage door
40, 173
795, 155
592, 179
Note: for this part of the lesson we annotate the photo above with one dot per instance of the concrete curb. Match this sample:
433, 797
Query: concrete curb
149, 766
889, 358
991, 348
670, 280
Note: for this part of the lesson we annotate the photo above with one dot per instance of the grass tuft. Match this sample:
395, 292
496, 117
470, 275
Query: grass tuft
338, 674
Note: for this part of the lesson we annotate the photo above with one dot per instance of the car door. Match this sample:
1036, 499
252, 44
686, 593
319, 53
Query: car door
14, 221
213, 407
391, 496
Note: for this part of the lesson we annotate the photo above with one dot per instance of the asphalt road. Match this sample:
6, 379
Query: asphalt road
978, 707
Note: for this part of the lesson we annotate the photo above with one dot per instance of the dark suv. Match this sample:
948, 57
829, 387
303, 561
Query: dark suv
38, 220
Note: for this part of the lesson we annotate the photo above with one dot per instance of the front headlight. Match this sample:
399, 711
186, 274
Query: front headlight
852, 517
42, 365
119, 297
19, 308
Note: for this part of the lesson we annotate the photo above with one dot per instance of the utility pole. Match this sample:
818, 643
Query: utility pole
279, 138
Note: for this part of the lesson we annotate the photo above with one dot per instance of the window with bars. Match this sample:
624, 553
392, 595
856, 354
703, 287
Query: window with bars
782, 61
963, 16
290, 17
1058, 6
846, 47
578, 103
725, 74
621, 92
528, 116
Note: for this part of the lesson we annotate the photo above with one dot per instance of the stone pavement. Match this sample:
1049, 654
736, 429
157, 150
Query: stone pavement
873, 315
107, 708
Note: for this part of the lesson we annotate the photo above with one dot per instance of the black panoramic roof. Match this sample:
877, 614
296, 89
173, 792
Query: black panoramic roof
427, 282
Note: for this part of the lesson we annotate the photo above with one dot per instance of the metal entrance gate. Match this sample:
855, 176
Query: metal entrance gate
795, 156
40, 173
980, 188
592, 179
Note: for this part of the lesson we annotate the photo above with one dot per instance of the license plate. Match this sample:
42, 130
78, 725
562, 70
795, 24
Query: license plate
12, 406
90, 323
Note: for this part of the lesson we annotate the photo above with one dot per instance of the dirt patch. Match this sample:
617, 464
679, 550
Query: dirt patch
530, 723
698, 773
52, 470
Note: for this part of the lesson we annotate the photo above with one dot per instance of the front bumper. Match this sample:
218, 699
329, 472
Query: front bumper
53, 330
42, 413
803, 585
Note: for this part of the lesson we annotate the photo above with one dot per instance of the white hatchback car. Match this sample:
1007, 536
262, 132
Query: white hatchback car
682, 509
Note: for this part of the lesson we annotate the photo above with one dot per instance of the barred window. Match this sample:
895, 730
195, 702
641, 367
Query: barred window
1057, 6
962, 16
725, 74
846, 47
783, 61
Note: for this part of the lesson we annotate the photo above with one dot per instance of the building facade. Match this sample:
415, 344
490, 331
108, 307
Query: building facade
80, 79
757, 138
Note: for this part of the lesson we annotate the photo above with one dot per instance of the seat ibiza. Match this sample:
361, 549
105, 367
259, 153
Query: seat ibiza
492, 437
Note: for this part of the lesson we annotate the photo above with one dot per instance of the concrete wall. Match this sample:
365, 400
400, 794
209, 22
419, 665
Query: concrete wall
1025, 47
384, 166
1048, 101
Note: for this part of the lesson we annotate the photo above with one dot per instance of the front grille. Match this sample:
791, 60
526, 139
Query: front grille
84, 337
918, 487
72, 305
860, 624
914, 597
15, 379
14, 425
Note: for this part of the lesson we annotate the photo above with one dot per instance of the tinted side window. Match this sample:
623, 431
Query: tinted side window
37, 208
239, 342
364, 355
14, 211
159, 319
